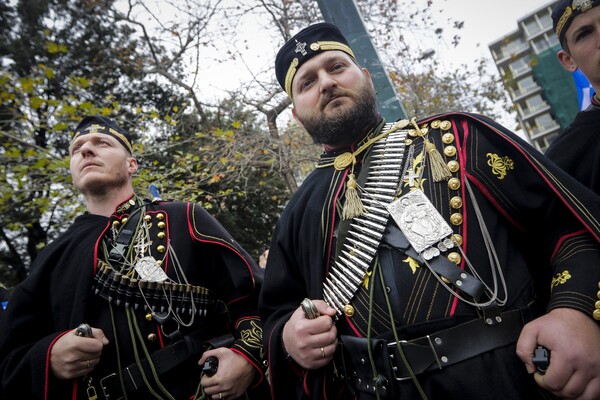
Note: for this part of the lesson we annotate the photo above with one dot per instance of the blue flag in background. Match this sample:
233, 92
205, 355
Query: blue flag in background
584, 90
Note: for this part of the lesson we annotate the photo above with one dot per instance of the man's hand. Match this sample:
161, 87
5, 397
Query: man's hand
311, 342
233, 376
73, 356
573, 339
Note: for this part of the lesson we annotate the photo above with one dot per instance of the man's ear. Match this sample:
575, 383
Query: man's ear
366, 72
567, 61
296, 117
133, 165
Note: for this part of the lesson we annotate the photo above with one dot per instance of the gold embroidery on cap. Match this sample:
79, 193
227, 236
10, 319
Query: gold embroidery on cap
331, 45
563, 20
289, 77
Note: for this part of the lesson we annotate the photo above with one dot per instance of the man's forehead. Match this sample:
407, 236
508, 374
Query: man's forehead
92, 137
323, 58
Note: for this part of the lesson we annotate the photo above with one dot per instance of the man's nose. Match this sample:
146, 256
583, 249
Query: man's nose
326, 82
87, 148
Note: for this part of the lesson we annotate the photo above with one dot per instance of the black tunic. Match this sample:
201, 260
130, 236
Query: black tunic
57, 296
577, 149
534, 223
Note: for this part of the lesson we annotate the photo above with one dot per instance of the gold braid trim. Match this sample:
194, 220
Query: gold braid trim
289, 77
563, 20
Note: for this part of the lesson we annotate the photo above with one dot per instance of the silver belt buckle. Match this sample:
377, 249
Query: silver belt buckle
393, 362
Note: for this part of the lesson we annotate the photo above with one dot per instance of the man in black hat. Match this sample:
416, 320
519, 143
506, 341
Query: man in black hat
129, 301
424, 259
577, 148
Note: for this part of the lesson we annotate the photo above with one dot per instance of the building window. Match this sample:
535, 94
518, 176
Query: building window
553, 40
519, 65
540, 44
525, 85
545, 20
532, 27
544, 122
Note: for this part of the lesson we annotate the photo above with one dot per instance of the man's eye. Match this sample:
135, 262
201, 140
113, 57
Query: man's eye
306, 84
581, 35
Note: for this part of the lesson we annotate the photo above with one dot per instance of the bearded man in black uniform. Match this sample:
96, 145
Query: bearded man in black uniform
153, 283
577, 148
424, 259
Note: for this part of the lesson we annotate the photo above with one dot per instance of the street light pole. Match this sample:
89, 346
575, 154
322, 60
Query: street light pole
345, 14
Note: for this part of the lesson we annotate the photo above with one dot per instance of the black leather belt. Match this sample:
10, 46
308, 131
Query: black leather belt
163, 361
428, 353
456, 344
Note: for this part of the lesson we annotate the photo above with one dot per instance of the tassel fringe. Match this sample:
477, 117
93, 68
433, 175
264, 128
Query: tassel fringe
439, 169
353, 206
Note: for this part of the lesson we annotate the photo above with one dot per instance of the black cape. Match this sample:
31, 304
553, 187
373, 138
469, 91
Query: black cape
577, 149
57, 296
534, 213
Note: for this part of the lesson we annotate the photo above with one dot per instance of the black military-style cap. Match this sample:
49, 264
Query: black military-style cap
564, 13
303, 46
99, 124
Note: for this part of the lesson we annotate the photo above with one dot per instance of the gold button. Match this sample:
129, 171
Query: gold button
314, 46
596, 315
159, 262
348, 310
124, 220
424, 130
454, 183
408, 142
161, 235
598, 294
160, 216
447, 138
445, 125
149, 317
413, 132
132, 202
598, 285
152, 337
161, 225
450, 151
598, 304
436, 124
456, 219
160, 249
456, 202
453, 166
457, 239
454, 258
147, 218
446, 280
116, 223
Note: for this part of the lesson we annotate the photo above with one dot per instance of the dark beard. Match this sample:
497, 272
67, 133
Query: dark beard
344, 128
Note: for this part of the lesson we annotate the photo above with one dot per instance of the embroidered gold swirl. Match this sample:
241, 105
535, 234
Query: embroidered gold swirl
560, 278
500, 165
253, 336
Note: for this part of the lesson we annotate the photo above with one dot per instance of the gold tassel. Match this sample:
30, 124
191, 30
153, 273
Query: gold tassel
353, 206
439, 169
